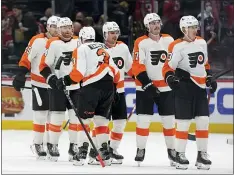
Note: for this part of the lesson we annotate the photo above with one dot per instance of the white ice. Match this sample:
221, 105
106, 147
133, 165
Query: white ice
17, 157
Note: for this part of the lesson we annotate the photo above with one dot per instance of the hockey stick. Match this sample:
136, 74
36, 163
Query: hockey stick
83, 126
214, 78
66, 124
9, 85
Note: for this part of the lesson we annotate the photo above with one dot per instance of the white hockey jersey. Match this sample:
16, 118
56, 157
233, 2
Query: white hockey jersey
150, 56
123, 60
32, 57
93, 63
55, 48
191, 57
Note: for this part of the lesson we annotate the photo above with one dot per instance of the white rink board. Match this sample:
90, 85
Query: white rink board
221, 103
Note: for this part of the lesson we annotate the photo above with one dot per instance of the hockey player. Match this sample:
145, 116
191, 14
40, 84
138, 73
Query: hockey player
150, 53
40, 101
97, 71
57, 62
188, 72
123, 60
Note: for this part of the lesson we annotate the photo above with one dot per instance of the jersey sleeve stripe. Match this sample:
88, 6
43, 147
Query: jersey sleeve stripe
24, 61
207, 65
75, 75
166, 68
172, 45
43, 64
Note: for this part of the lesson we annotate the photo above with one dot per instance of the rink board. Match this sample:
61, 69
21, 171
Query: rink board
221, 109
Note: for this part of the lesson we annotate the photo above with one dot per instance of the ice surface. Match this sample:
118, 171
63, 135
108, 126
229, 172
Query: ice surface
17, 157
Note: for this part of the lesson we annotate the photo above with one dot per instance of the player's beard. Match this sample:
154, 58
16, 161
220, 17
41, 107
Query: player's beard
155, 31
66, 36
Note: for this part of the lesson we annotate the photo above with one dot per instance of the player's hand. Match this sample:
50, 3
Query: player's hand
173, 82
19, 81
211, 84
63, 82
60, 84
51, 80
151, 90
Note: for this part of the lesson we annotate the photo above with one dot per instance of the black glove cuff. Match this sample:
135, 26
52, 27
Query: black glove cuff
168, 74
208, 72
23, 70
46, 72
68, 81
143, 78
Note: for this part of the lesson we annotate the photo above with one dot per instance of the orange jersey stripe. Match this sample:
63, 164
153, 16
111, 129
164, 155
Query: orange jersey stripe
130, 73
142, 131
199, 80
166, 68
116, 136
24, 61
207, 65
38, 78
72, 127
80, 128
120, 84
75, 75
39, 128
43, 63
136, 66
169, 132
182, 135
138, 83
171, 46
102, 130
202, 133
54, 128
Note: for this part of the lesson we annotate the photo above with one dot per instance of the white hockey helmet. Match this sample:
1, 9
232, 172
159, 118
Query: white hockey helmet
151, 17
53, 20
187, 21
109, 27
65, 21
87, 33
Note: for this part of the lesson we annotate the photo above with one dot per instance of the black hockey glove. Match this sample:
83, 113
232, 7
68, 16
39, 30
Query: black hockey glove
63, 82
211, 84
19, 80
51, 80
147, 85
172, 80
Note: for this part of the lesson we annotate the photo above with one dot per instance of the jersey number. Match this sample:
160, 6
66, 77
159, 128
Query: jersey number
119, 62
157, 56
65, 58
102, 52
194, 58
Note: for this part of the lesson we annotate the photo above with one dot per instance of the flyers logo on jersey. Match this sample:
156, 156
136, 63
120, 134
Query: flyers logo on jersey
156, 56
119, 62
194, 58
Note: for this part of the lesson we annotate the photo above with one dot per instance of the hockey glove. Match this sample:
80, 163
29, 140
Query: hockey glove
172, 80
147, 85
51, 80
63, 82
19, 80
211, 84
151, 90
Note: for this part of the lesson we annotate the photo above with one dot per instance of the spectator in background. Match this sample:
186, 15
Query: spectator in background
210, 33
48, 13
98, 29
80, 17
30, 26
171, 17
77, 26
207, 11
88, 21
4, 17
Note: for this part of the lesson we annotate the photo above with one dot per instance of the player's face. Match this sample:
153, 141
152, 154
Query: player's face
155, 27
66, 31
112, 37
52, 29
192, 32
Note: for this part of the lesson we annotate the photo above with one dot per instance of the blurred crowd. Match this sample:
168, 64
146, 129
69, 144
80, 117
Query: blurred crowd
21, 21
